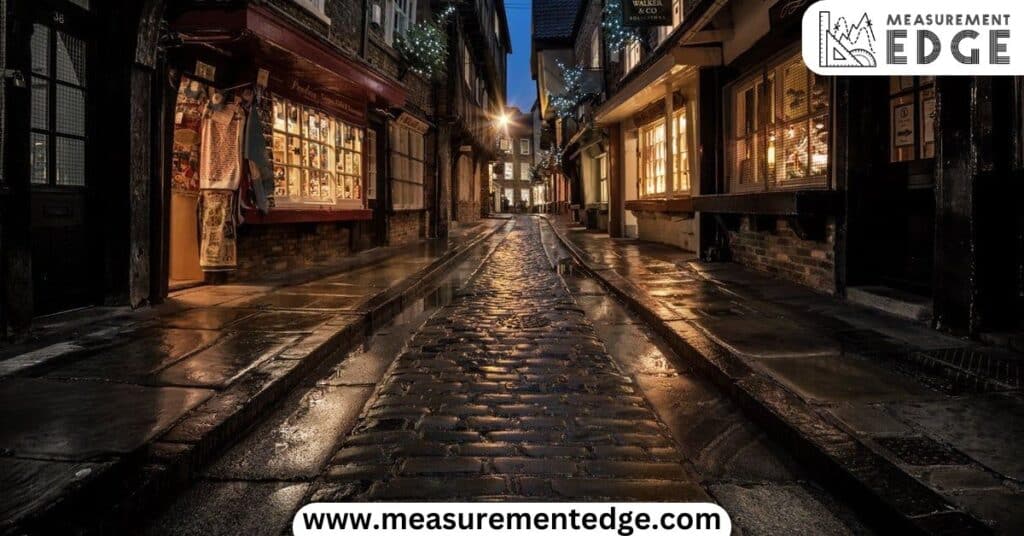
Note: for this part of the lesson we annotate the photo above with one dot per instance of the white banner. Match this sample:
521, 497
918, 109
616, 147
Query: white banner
520, 519
914, 37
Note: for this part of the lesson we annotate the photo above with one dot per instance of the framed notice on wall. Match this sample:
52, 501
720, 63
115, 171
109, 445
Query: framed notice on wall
646, 13
903, 125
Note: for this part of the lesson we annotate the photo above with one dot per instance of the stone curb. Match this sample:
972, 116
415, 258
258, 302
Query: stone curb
136, 482
890, 498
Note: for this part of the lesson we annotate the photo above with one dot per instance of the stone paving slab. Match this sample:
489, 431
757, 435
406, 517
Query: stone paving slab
863, 367
157, 435
499, 394
83, 420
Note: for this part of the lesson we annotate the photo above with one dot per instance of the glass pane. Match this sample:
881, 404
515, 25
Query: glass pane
70, 162
70, 59
40, 103
819, 146
794, 96
39, 158
70, 110
40, 49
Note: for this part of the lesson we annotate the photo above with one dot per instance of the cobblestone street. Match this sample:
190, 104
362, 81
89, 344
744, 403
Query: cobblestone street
515, 383
510, 392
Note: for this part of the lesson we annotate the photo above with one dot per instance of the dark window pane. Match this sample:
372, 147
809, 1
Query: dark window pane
41, 49
84, 4
38, 157
70, 110
70, 59
70, 162
40, 103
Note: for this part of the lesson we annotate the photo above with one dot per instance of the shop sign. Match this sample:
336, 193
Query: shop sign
646, 13
206, 71
412, 123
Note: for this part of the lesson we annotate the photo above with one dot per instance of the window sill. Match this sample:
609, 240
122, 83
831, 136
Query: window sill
806, 202
664, 204
305, 215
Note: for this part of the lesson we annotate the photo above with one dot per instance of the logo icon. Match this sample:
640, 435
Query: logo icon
842, 44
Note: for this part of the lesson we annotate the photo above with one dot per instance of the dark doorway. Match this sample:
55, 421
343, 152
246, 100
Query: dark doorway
892, 220
63, 256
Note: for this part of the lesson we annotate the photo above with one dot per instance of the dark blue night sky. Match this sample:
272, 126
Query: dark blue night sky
521, 89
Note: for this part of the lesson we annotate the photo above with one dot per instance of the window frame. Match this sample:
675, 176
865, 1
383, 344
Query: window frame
52, 132
681, 174
630, 57
391, 18
524, 146
651, 156
761, 134
414, 156
601, 169
358, 151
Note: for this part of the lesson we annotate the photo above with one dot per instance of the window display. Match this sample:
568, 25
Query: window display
318, 159
780, 129
652, 159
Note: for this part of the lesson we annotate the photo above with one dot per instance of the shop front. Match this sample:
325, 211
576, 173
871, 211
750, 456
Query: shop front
276, 161
657, 123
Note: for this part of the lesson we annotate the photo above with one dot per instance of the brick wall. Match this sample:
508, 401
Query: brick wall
467, 211
782, 253
268, 249
406, 227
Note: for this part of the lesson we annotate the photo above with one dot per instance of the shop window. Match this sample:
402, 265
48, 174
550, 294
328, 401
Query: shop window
524, 146
401, 14
779, 129
318, 159
630, 57
677, 17
680, 152
58, 108
601, 165
652, 159
912, 118
406, 168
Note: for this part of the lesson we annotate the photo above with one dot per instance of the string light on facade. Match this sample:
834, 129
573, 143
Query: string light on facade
424, 46
616, 35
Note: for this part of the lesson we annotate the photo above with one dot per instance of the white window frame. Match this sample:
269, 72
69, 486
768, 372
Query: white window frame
316, 7
652, 158
524, 173
601, 165
524, 146
630, 57
407, 170
397, 14
680, 151
595, 48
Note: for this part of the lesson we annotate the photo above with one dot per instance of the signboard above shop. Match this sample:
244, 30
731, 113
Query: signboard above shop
646, 13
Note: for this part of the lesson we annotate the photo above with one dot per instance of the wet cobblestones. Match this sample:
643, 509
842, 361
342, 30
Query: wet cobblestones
508, 393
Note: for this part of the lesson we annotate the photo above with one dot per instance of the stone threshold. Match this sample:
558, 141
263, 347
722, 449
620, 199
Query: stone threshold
893, 499
138, 481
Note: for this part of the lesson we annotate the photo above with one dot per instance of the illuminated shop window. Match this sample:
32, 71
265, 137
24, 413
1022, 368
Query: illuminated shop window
318, 159
779, 129
652, 159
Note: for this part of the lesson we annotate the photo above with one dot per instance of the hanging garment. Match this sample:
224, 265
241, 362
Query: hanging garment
218, 248
261, 173
220, 160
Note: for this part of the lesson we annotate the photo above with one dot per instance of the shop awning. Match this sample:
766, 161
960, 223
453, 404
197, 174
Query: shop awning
264, 33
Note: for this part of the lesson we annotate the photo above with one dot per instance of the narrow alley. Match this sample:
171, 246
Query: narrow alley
503, 390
